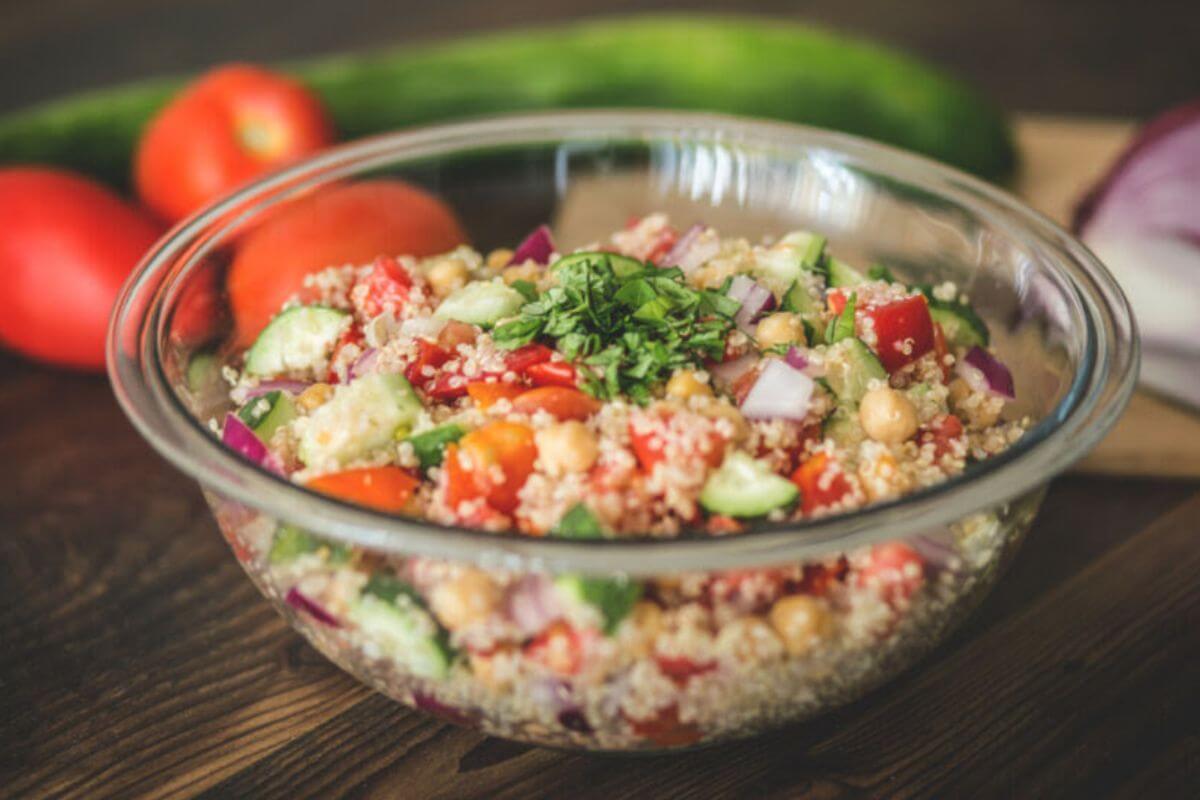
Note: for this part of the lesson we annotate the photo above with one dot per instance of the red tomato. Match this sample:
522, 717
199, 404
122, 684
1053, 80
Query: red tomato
428, 355
561, 648
388, 286
895, 570
508, 446
488, 393
941, 432
446, 387
815, 490
552, 373
229, 126
381, 488
558, 401
353, 335
819, 577
345, 224
903, 331
681, 669
523, 358
939, 347
646, 438
66, 246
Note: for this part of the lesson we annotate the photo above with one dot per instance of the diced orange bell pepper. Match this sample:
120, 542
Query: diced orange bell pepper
382, 488
558, 401
488, 393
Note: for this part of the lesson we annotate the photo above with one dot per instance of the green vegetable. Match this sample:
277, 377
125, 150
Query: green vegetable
430, 445
297, 339
632, 323
266, 414
844, 427
614, 598
878, 272
203, 373
842, 326
760, 68
850, 369
481, 303
392, 613
291, 542
842, 275
746, 487
962, 326
579, 523
362, 416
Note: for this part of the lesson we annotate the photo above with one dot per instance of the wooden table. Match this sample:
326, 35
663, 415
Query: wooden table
138, 660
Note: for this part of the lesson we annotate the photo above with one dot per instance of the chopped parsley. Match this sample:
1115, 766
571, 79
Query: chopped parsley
633, 323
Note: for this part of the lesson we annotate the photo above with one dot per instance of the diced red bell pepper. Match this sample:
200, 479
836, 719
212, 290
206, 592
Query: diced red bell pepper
523, 358
428, 355
552, 373
388, 287
903, 331
816, 490
895, 570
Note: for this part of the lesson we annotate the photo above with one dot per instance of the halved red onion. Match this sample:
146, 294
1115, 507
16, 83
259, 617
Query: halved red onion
755, 299
984, 373
278, 385
364, 364
781, 392
302, 602
532, 604
795, 358
727, 372
238, 437
537, 246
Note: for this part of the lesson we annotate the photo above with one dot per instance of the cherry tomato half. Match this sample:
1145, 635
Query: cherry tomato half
472, 465
230, 125
66, 246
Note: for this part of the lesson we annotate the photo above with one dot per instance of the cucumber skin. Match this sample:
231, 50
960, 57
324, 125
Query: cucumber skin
736, 65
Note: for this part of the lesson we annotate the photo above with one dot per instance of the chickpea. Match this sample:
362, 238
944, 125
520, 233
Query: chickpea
959, 391
529, 271
316, 395
467, 599
882, 478
495, 669
801, 622
447, 275
686, 383
888, 416
748, 640
780, 328
566, 447
499, 258
645, 622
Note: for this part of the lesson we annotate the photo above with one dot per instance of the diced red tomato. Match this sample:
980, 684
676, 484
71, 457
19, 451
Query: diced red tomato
447, 387
428, 355
488, 393
750, 589
388, 287
472, 465
816, 490
647, 438
381, 488
903, 331
939, 347
552, 373
352, 336
665, 730
663, 242
681, 669
836, 301
561, 648
558, 401
818, 578
895, 570
523, 358
455, 333
721, 524
941, 431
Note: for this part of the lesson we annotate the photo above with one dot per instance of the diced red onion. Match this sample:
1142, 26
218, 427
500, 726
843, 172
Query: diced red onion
795, 358
573, 719
302, 602
238, 437
692, 250
532, 604
937, 553
983, 372
781, 392
537, 246
279, 385
755, 300
364, 364
426, 327
727, 372
429, 703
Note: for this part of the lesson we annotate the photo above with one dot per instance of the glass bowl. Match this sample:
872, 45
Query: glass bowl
703, 656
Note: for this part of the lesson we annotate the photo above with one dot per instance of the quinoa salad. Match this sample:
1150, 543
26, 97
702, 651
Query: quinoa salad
663, 381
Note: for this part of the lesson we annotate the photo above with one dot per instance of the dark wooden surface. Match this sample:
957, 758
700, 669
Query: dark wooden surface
137, 660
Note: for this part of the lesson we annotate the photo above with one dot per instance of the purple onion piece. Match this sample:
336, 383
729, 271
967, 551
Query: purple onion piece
364, 364
238, 437
430, 704
795, 358
781, 392
302, 602
532, 604
573, 719
937, 553
277, 385
998, 380
729, 371
537, 246
755, 300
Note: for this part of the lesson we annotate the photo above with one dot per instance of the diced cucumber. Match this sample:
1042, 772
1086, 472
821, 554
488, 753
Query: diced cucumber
960, 323
842, 275
779, 267
849, 368
296, 340
203, 373
430, 445
745, 487
405, 632
360, 417
800, 300
842, 326
265, 414
291, 542
482, 303
579, 523
612, 597
843, 427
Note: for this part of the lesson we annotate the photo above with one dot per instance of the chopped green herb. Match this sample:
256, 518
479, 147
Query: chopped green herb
814, 255
389, 588
634, 324
430, 446
527, 289
579, 523
878, 272
842, 326
291, 542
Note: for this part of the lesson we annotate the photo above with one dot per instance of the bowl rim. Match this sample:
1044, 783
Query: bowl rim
1098, 393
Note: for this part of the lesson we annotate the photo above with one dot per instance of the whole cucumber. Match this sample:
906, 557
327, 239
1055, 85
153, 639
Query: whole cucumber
737, 65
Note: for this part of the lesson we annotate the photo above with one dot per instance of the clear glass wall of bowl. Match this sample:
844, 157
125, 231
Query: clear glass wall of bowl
713, 640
